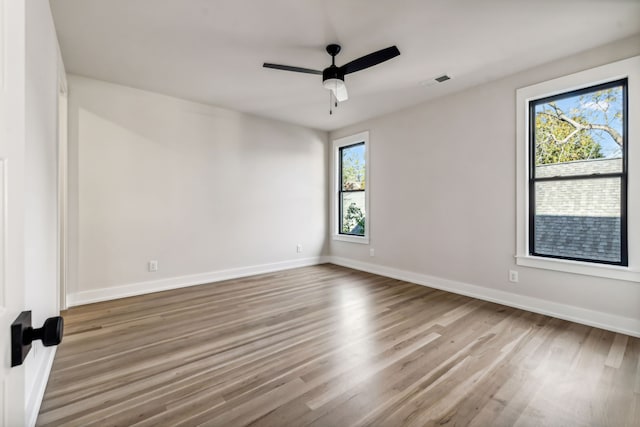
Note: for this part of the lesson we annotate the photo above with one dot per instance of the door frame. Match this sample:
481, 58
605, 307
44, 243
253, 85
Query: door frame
63, 257
12, 201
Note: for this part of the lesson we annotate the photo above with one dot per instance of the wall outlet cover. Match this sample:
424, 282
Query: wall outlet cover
513, 276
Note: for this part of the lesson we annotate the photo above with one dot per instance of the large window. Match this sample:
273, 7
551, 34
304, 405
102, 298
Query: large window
351, 208
578, 186
578, 174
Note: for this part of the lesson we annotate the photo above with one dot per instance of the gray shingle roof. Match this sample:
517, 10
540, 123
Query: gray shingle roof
579, 218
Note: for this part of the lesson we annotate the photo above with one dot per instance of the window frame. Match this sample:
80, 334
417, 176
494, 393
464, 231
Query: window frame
625, 69
342, 191
531, 104
336, 201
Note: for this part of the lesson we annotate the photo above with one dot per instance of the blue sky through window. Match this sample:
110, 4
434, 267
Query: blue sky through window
357, 152
595, 112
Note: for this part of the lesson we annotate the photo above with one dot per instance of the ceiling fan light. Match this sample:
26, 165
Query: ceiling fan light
338, 88
333, 84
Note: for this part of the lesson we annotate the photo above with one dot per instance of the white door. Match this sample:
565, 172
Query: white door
12, 152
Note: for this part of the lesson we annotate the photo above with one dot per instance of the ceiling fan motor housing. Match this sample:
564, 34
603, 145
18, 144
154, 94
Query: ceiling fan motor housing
332, 72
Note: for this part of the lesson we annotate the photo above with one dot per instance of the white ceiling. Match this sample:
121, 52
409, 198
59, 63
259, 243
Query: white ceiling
212, 51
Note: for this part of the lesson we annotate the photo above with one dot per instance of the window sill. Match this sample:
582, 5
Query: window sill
353, 239
580, 267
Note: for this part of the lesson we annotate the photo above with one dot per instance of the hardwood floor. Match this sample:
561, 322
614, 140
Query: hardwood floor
330, 346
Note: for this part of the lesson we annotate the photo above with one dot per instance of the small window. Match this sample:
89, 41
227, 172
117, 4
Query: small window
578, 174
352, 190
351, 203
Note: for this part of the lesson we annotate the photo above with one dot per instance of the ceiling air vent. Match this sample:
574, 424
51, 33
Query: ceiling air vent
443, 78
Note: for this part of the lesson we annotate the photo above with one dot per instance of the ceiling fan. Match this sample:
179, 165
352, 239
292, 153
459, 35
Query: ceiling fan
333, 76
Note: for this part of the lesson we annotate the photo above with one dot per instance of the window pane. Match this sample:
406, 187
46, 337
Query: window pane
352, 216
353, 167
578, 219
580, 134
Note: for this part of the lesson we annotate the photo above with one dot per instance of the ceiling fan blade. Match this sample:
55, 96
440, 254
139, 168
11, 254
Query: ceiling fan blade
290, 68
370, 60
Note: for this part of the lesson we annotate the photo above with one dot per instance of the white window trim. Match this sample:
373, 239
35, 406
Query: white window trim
629, 68
337, 144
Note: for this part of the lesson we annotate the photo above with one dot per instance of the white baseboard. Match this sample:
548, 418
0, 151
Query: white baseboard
34, 399
140, 288
584, 316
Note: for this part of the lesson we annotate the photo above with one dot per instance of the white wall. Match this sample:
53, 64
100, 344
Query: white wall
443, 201
211, 193
208, 192
41, 206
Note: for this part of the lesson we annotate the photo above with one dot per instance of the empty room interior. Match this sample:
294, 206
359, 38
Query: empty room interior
320, 212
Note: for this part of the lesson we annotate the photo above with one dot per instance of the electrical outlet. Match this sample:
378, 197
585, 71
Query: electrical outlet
372, 252
299, 248
153, 265
513, 276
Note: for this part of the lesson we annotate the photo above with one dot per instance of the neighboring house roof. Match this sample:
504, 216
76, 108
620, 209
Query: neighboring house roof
591, 197
579, 218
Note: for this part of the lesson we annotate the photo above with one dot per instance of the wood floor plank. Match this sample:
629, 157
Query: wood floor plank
330, 346
614, 359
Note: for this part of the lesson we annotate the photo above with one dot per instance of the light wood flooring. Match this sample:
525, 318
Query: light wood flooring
330, 346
